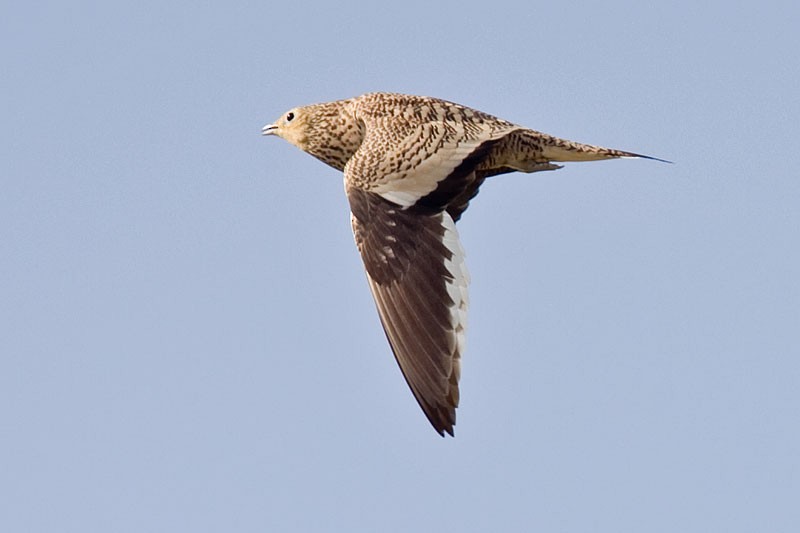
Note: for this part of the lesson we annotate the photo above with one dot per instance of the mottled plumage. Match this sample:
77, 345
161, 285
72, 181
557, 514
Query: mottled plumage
411, 165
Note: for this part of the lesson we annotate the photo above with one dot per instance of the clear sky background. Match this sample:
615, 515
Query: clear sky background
188, 343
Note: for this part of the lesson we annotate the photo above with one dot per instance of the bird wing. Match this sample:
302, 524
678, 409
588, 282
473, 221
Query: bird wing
416, 271
401, 183
405, 161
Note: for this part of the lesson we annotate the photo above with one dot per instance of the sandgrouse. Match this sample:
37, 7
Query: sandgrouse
411, 165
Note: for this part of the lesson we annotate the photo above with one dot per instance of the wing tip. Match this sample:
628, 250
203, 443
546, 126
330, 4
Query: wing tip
444, 430
443, 419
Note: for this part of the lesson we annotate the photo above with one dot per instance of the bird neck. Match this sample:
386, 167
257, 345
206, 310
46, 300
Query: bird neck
335, 134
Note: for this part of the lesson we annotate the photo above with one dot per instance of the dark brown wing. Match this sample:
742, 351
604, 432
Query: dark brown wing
415, 267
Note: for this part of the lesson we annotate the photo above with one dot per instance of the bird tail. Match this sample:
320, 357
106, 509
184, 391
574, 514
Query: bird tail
561, 150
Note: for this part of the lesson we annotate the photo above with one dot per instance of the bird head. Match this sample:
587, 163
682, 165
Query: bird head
328, 131
292, 126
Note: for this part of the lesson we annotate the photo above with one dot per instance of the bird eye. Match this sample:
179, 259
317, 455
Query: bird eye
289, 117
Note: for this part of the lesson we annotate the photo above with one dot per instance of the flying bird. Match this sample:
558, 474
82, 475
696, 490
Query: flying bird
411, 166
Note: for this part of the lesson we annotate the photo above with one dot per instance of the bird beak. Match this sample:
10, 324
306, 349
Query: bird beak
269, 129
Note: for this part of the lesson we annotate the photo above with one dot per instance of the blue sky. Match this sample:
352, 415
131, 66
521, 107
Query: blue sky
188, 343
